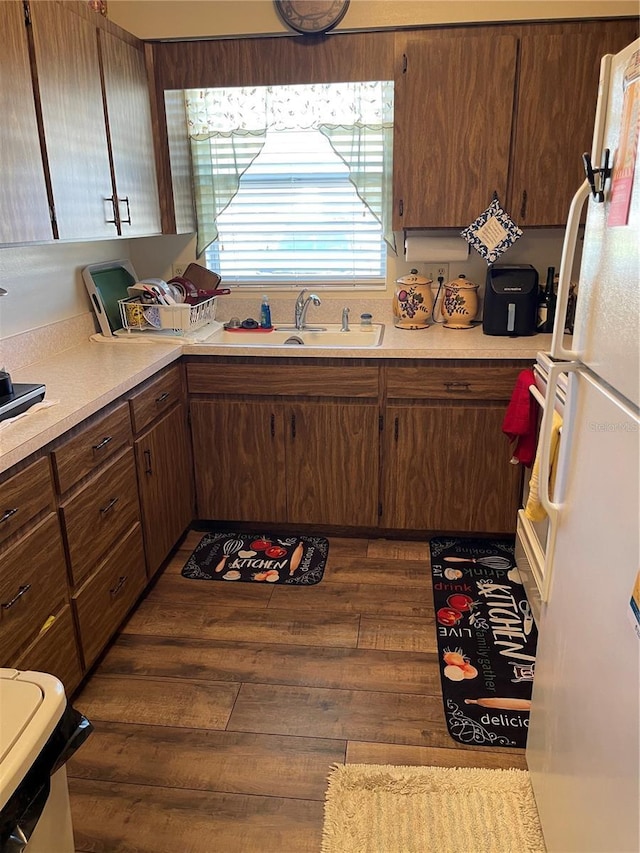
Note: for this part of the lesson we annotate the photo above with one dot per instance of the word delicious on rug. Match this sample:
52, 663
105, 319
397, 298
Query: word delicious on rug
257, 558
486, 641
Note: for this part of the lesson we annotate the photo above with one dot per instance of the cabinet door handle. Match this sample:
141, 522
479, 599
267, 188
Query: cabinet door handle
164, 396
113, 221
102, 443
21, 591
457, 386
147, 457
8, 513
523, 206
126, 221
293, 426
105, 509
273, 426
396, 428
121, 582
401, 207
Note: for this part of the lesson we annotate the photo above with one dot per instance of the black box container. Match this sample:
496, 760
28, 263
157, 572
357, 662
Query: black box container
510, 300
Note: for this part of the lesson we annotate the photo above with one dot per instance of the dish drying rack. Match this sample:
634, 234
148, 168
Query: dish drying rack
181, 317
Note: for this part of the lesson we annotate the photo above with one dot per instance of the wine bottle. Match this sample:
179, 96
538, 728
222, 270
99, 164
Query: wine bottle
547, 304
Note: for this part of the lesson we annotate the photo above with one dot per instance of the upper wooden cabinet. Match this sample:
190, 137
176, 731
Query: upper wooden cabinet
24, 206
452, 131
129, 122
68, 74
76, 140
555, 112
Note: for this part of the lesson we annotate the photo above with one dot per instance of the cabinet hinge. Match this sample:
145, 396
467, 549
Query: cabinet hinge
27, 13
380, 423
404, 63
379, 510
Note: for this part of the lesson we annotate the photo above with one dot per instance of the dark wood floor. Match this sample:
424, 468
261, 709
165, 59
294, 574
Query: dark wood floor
220, 708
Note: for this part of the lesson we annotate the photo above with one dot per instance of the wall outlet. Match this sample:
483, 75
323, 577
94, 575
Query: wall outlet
178, 270
436, 271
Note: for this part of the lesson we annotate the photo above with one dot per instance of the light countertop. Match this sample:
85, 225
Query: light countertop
93, 374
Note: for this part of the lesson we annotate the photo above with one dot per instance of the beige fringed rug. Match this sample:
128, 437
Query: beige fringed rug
373, 808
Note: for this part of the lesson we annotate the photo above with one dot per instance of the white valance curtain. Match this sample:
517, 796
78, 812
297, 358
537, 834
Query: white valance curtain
227, 130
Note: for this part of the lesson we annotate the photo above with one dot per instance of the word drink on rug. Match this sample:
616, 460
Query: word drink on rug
486, 641
298, 560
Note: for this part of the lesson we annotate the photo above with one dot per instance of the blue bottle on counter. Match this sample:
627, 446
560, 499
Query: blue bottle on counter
265, 313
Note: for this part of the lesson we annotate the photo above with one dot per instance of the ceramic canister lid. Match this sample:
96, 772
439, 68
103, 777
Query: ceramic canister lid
462, 283
413, 278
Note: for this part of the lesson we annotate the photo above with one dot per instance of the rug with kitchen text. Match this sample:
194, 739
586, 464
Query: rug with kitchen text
258, 558
486, 641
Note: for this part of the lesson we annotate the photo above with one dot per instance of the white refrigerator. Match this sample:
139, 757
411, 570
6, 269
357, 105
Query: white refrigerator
583, 747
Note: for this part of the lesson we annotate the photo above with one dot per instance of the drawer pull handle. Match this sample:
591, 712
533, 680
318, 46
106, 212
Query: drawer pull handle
105, 509
21, 591
103, 443
164, 396
457, 386
147, 456
8, 513
273, 426
121, 582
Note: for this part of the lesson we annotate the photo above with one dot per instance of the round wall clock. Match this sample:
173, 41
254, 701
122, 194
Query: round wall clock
311, 16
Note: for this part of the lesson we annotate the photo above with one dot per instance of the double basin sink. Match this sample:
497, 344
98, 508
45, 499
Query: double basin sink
317, 337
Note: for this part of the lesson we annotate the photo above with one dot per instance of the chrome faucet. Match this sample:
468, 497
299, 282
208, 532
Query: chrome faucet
345, 320
302, 306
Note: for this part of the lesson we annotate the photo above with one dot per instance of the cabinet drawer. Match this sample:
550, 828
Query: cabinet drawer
107, 596
25, 495
33, 586
156, 398
97, 515
90, 447
283, 380
56, 651
451, 383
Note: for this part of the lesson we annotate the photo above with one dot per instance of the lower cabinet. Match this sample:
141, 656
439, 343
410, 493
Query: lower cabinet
239, 452
106, 597
447, 468
302, 462
332, 463
55, 650
165, 482
445, 458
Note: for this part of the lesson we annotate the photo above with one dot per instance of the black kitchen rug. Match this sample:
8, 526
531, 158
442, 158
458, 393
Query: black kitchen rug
486, 641
256, 557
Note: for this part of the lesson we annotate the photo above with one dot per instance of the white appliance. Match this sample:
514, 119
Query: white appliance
583, 747
31, 706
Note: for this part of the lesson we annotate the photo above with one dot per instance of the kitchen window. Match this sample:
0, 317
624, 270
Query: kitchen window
293, 183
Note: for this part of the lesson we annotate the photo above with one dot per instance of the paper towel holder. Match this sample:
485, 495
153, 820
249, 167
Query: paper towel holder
427, 247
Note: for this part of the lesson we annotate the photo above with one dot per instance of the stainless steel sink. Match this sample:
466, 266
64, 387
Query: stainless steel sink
327, 337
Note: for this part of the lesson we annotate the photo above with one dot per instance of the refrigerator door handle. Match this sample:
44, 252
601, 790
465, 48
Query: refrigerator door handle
558, 349
551, 507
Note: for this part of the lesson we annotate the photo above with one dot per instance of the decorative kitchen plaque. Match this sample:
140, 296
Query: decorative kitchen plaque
492, 233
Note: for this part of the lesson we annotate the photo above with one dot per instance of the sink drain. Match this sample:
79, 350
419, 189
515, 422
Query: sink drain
294, 340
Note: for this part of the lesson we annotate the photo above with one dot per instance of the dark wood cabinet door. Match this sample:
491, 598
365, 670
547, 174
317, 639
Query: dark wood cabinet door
240, 463
165, 481
452, 130
66, 56
332, 463
129, 119
446, 468
24, 206
556, 104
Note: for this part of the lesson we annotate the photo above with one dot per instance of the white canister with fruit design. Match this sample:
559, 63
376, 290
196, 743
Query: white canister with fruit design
459, 303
